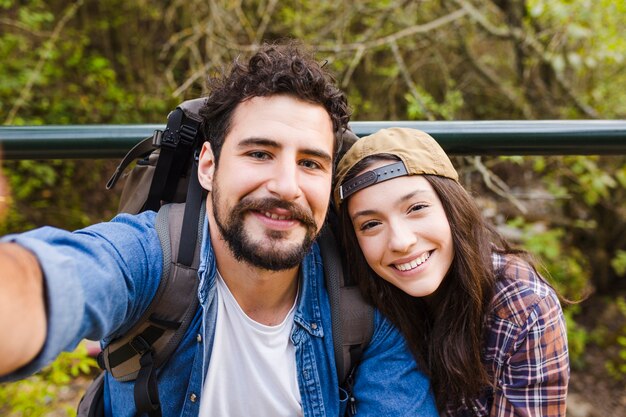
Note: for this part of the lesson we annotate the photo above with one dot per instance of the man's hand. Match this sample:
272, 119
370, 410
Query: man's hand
22, 307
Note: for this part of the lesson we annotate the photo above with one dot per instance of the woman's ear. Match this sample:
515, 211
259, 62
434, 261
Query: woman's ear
206, 166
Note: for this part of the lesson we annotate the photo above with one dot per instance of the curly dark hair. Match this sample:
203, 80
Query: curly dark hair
286, 68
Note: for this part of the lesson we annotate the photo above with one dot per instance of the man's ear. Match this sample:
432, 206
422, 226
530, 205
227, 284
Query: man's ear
206, 167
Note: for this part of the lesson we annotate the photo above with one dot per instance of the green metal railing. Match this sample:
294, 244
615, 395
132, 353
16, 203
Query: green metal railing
551, 137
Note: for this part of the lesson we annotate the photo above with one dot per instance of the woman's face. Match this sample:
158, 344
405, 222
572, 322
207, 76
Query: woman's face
403, 232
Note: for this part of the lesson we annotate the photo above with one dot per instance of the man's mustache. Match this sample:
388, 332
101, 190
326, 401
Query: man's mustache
267, 204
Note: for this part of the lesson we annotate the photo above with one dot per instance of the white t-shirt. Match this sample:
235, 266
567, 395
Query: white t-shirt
253, 366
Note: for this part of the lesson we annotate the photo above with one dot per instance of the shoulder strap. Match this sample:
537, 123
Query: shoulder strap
177, 143
141, 149
152, 340
352, 317
175, 146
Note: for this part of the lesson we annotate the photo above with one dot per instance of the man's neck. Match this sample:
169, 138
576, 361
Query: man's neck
265, 296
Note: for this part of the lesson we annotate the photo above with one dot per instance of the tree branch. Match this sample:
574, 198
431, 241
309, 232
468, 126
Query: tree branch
493, 79
23, 27
409, 81
356, 59
495, 184
269, 10
387, 40
535, 46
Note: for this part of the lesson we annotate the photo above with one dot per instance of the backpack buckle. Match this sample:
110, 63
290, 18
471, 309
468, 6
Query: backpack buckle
157, 138
140, 345
188, 134
170, 138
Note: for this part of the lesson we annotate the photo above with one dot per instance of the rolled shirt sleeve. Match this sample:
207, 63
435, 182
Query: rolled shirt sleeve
98, 280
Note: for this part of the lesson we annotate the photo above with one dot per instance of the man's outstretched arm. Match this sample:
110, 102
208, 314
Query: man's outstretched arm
22, 307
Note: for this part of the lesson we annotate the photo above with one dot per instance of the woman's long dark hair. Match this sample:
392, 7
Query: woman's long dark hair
446, 335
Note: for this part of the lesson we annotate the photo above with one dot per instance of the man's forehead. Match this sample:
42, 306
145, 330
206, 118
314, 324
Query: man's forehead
284, 120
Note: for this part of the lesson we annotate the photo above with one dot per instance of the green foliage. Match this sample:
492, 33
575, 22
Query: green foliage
422, 105
577, 337
39, 394
586, 40
619, 262
564, 266
72, 78
611, 337
52, 193
617, 366
589, 192
593, 182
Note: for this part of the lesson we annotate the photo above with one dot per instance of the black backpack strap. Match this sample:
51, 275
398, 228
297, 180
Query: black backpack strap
352, 317
177, 144
149, 344
141, 149
193, 217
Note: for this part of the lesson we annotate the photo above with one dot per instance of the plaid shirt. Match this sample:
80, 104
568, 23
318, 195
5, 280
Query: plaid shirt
525, 349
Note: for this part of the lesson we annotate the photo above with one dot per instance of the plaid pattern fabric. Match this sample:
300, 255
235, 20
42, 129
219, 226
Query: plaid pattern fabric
525, 349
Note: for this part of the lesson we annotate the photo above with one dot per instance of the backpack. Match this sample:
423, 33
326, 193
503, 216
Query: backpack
165, 180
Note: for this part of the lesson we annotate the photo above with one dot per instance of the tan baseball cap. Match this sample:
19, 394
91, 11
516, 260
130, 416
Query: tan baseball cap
419, 154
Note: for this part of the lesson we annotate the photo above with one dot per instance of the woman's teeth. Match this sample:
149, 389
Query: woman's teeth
414, 263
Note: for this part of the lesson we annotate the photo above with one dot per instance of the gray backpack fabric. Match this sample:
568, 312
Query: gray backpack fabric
136, 355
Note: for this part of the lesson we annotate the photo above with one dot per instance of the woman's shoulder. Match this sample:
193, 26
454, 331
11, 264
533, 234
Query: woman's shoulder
519, 290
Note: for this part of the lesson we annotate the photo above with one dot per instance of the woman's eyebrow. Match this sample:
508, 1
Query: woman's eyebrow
361, 213
402, 199
413, 194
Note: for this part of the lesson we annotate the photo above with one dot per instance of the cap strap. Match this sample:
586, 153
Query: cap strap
372, 177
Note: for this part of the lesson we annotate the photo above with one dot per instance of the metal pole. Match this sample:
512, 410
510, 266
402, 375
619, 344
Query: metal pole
549, 137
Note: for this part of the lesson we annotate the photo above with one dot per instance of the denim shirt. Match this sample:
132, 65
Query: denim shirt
99, 281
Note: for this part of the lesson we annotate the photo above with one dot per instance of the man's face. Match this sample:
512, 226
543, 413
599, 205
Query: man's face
270, 194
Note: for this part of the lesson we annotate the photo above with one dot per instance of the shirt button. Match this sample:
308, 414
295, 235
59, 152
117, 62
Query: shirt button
199, 338
313, 326
193, 397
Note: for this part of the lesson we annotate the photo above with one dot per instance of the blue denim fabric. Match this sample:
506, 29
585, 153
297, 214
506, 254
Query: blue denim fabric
100, 279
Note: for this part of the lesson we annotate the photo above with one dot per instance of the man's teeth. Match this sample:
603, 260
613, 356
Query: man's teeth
414, 263
276, 216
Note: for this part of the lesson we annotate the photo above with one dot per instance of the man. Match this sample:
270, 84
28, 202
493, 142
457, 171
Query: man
260, 343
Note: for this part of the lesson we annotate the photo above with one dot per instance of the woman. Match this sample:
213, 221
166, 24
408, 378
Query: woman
478, 317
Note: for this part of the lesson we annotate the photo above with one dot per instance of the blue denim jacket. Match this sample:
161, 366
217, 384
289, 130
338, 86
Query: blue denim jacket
99, 280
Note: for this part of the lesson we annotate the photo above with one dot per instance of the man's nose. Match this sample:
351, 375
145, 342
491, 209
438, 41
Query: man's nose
284, 182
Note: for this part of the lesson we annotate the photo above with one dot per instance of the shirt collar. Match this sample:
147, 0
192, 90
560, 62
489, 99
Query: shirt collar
308, 312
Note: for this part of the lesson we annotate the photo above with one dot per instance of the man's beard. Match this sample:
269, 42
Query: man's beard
265, 253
